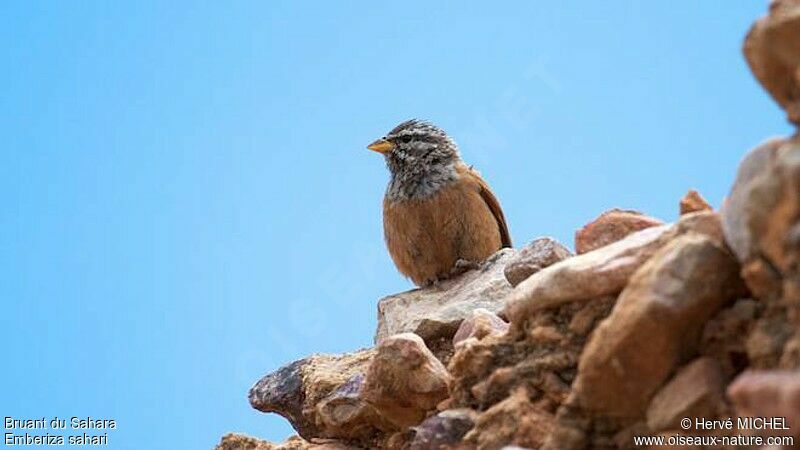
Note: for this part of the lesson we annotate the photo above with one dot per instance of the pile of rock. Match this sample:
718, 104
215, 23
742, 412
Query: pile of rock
648, 324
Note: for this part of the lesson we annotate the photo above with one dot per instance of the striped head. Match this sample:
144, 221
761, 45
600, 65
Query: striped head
420, 156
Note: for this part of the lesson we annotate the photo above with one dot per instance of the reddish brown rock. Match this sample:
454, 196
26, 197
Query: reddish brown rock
696, 390
761, 217
405, 380
535, 256
584, 277
772, 49
234, 441
482, 323
768, 394
655, 324
604, 271
694, 202
514, 421
761, 221
725, 336
611, 226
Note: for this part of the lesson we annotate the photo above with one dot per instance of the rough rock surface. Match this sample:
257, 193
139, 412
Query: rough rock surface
319, 395
772, 49
435, 312
769, 394
696, 390
234, 441
631, 353
604, 271
693, 202
700, 317
611, 226
482, 323
535, 256
405, 380
446, 428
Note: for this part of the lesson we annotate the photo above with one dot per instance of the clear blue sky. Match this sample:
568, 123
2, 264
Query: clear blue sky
188, 203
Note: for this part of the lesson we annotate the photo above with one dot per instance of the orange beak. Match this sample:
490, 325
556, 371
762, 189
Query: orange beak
381, 146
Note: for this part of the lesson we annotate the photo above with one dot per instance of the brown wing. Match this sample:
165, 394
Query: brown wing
491, 201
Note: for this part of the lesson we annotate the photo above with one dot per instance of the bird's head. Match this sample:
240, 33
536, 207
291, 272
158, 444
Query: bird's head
416, 146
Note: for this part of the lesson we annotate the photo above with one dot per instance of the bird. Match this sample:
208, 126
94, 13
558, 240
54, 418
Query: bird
439, 215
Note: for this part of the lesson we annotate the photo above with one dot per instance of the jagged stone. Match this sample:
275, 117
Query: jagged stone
344, 414
772, 49
761, 219
233, 441
768, 394
540, 355
609, 227
693, 202
655, 324
514, 421
436, 312
405, 380
443, 430
602, 272
725, 336
482, 323
695, 391
309, 392
535, 256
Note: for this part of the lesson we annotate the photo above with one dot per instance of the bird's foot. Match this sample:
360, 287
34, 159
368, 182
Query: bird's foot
463, 265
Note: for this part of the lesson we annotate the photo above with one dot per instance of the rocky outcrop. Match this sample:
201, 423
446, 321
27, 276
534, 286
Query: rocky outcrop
610, 227
535, 256
404, 380
434, 313
630, 354
693, 202
772, 49
648, 324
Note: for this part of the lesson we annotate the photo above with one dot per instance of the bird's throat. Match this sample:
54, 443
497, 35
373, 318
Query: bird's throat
414, 183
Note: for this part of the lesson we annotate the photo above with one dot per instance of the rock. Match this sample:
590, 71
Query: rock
761, 219
772, 49
234, 441
694, 202
535, 256
655, 324
766, 339
604, 271
695, 391
768, 394
609, 227
345, 415
444, 429
514, 421
307, 392
725, 335
583, 277
436, 312
482, 323
405, 380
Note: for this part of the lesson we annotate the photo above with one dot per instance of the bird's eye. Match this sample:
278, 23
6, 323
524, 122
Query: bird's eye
405, 139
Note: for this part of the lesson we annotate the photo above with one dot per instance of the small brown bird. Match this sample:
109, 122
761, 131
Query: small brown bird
439, 215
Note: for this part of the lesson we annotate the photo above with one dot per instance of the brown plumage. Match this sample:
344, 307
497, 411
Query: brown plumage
437, 210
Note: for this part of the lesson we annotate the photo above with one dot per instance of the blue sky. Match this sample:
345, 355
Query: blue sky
189, 203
